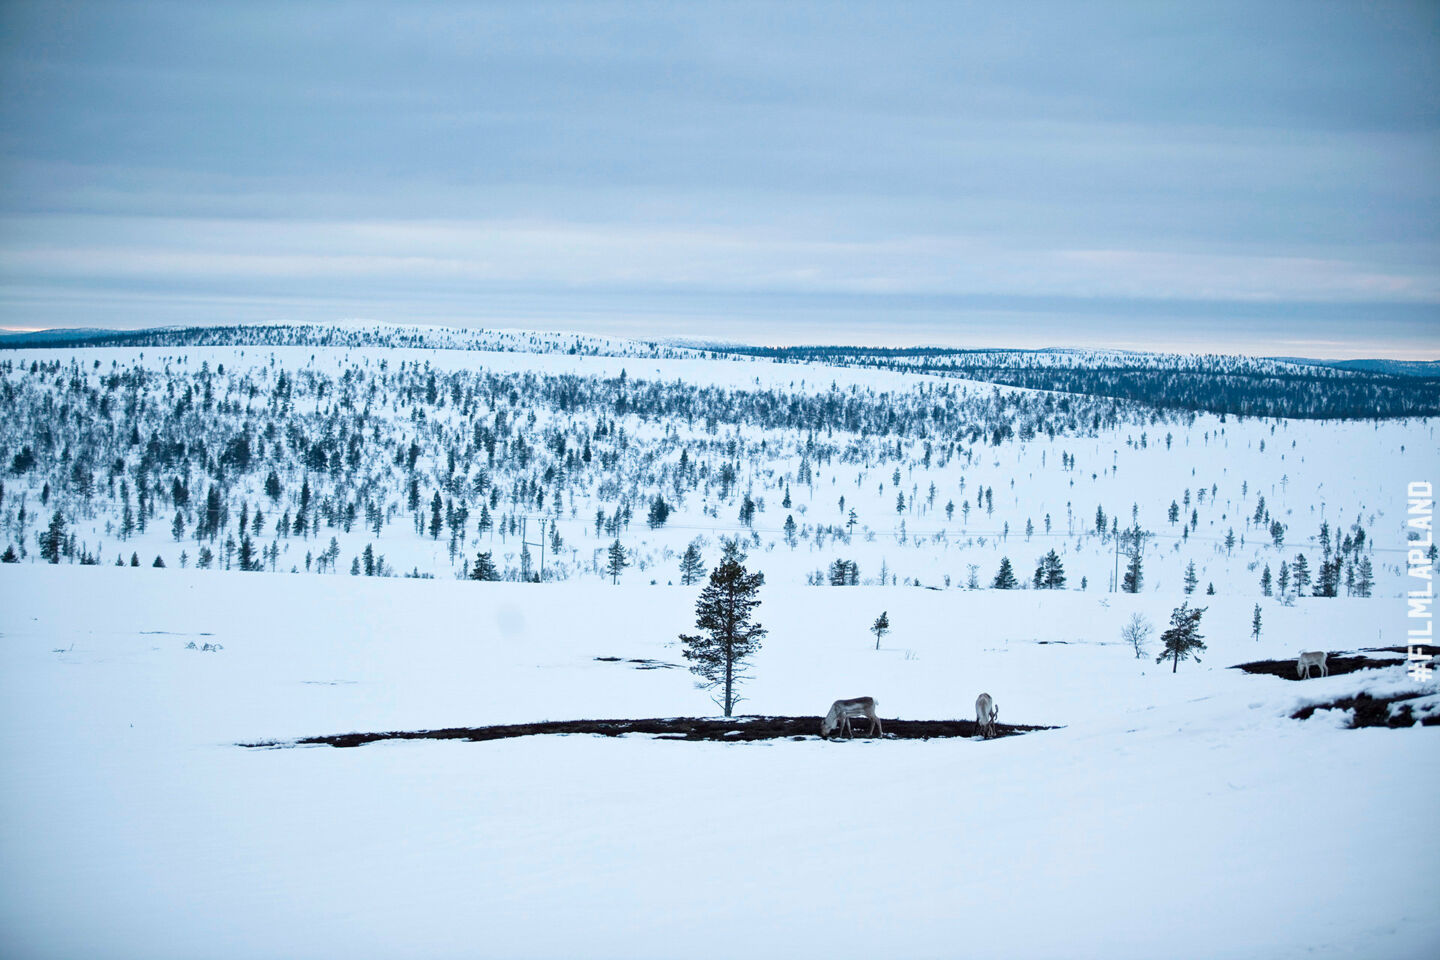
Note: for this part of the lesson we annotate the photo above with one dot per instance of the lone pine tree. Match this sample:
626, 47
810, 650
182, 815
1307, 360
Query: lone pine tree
723, 613
880, 627
1183, 636
1300, 573
692, 567
617, 561
1364, 578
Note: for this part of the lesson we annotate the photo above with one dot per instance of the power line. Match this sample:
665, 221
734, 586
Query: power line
947, 532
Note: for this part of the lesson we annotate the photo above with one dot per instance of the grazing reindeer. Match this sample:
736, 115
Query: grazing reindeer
1308, 659
842, 710
986, 711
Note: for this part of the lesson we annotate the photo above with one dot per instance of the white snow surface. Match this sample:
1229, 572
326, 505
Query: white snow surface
1173, 815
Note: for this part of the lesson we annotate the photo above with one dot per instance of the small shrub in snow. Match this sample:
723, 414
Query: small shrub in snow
1136, 632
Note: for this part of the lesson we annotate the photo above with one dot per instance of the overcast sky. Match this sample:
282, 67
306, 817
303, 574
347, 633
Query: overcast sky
1262, 177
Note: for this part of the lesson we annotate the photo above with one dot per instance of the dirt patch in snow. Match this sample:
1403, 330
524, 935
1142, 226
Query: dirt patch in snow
671, 728
1373, 711
1337, 662
642, 663
1430, 650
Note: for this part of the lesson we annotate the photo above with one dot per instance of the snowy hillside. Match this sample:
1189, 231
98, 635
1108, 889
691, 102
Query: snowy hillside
416, 461
353, 333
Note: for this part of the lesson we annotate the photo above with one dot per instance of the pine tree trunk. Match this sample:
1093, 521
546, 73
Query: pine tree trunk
729, 676
1176, 664
730, 624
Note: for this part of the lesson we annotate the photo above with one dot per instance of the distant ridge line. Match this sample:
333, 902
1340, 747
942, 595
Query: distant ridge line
1215, 383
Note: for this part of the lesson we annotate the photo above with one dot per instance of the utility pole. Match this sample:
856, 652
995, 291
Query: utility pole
526, 543
1115, 578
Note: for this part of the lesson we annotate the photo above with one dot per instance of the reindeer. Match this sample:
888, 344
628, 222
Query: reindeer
1308, 659
842, 710
986, 711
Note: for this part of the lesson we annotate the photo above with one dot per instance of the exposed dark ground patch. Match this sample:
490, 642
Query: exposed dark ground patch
1372, 711
1337, 663
642, 663
1429, 650
670, 728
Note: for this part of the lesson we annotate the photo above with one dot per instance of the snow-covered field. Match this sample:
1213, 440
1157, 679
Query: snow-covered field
1176, 815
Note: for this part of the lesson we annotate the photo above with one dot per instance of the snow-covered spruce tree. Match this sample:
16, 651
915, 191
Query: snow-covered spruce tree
617, 561
1191, 580
692, 567
844, 573
1300, 574
880, 627
248, 560
484, 568
1049, 572
1255, 623
1005, 578
1134, 577
723, 613
1364, 578
1183, 637
52, 541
